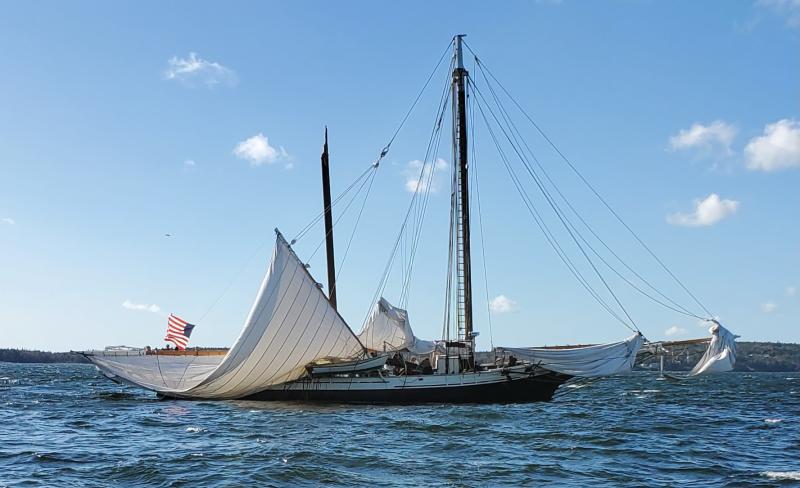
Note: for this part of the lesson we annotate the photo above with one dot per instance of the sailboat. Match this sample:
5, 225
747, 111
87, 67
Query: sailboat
295, 346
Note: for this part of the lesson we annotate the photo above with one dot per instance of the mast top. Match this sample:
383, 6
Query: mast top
326, 200
459, 55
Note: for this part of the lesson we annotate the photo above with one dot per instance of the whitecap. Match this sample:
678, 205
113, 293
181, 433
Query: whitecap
773, 421
195, 430
782, 475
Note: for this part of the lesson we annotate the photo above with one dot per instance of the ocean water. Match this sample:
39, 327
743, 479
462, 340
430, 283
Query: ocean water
66, 425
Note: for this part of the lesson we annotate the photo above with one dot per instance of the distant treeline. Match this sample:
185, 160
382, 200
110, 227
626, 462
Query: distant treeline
26, 356
750, 356
767, 356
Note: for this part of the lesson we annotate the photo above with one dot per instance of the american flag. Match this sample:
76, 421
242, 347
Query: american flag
178, 331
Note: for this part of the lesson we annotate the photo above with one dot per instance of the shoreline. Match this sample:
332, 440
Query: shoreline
752, 357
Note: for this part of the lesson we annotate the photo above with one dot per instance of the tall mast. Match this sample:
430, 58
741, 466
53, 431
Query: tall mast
463, 261
326, 200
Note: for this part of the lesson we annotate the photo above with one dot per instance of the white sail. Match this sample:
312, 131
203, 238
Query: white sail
158, 373
586, 361
720, 356
388, 329
290, 325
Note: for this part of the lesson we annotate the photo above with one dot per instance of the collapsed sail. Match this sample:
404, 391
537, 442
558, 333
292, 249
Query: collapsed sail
720, 356
290, 325
584, 361
388, 329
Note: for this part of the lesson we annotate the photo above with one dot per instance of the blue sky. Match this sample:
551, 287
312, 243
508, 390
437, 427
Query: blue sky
684, 115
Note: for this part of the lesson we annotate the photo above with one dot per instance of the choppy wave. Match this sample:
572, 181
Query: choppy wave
782, 475
67, 425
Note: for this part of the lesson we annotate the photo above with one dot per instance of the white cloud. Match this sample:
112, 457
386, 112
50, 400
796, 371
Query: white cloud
502, 304
8, 220
418, 179
768, 307
194, 69
141, 306
778, 148
791, 291
706, 212
715, 138
258, 151
789, 8
189, 163
675, 331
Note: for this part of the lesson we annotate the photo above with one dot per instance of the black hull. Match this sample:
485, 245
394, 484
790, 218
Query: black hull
532, 389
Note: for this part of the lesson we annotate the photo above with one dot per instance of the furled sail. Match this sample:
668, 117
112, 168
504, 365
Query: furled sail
720, 356
388, 329
290, 325
584, 361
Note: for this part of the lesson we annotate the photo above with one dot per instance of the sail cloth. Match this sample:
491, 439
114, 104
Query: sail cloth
158, 373
290, 325
720, 356
388, 329
584, 361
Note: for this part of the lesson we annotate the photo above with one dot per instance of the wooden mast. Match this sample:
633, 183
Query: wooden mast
326, 200
463, 246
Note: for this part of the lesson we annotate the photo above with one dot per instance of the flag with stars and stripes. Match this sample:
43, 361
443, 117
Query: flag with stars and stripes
178, 331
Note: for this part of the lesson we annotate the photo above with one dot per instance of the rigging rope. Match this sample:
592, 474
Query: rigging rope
371, 170
414, 104
616, 215
336, 200
448, 293
518, 136
538, 219
413, 205
353, 234
339, 218
426, 187
383, 152
475, 179
233, 280
560, 215
676, 308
